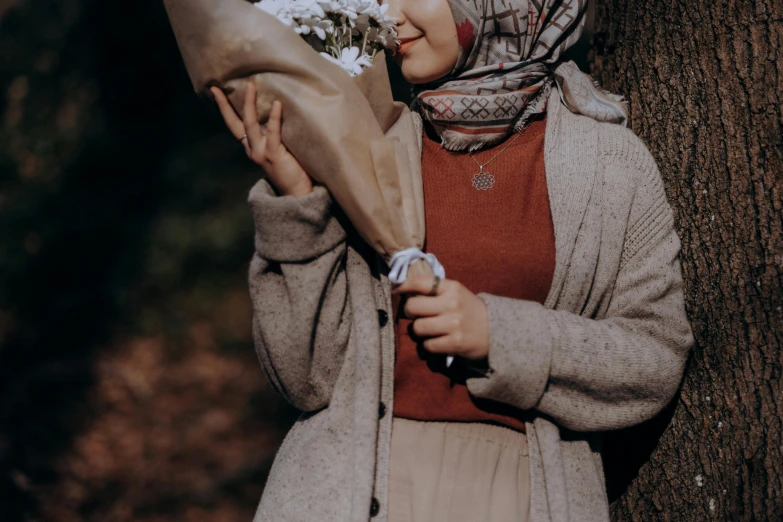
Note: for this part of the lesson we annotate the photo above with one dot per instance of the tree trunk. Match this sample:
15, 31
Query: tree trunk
705, 85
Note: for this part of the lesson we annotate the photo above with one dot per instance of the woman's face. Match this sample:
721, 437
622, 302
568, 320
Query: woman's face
428, 33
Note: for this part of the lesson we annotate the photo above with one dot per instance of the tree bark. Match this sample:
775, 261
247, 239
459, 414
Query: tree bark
705, 86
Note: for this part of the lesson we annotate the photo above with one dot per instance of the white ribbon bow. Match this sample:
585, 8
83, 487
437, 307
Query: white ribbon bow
404, 258
399, 271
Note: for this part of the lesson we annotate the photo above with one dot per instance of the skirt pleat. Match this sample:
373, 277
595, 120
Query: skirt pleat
458, 472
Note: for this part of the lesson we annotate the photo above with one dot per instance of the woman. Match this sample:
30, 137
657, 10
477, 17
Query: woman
563, 305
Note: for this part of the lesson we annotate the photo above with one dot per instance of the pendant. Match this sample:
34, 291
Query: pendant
483, 180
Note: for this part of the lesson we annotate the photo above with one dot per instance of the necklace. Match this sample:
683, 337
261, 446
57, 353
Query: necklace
484, 180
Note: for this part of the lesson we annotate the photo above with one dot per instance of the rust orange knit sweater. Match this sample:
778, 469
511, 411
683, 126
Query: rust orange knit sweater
499, 241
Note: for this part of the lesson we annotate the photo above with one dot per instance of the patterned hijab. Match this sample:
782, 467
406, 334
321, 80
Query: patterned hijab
509, 52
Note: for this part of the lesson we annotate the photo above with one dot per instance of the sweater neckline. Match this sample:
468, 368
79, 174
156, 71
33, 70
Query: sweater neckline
432, 141
570, 173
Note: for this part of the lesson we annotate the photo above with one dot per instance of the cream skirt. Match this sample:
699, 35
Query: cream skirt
457, 472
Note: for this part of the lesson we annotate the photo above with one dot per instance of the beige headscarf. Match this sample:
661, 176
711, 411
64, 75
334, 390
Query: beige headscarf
509, 58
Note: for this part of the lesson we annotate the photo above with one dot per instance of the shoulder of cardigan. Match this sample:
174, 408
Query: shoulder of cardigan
614, 140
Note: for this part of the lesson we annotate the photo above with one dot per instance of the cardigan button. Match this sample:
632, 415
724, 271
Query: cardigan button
383, 317
381, 410
375, 507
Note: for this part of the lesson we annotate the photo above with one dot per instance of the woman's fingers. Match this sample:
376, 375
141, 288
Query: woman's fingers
435, 326
252, 128
424, 306
273, 129
233, 121
442, 344
421, 284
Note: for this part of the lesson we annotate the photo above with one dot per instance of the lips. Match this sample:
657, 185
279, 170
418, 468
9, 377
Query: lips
407, 43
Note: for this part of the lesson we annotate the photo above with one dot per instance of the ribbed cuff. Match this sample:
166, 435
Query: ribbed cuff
293, 229
520, 353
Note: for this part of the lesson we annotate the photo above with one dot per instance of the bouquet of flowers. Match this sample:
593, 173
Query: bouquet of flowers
344, 128
347, 32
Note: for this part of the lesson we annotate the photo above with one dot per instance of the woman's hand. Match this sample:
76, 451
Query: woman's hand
455, 320
284, 172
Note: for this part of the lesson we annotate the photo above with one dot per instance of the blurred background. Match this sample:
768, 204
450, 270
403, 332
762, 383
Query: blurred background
129, 387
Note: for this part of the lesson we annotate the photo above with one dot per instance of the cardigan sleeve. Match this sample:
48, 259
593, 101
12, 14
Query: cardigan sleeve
600, 374
301, 314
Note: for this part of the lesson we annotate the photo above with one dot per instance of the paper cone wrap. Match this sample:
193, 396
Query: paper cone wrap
347, 133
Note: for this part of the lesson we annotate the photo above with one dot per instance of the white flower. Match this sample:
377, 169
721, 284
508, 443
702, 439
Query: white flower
366, 10
370, 8
350, 59
315, 25
307, 9
346, 8
338, 6
351, 30
385, 36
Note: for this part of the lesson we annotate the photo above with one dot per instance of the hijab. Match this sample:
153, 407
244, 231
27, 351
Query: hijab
509, 58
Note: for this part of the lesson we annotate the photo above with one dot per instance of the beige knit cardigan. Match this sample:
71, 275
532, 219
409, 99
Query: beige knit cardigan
606, 350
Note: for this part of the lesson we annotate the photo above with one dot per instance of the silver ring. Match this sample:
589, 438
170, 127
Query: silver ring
242, 138
434, 290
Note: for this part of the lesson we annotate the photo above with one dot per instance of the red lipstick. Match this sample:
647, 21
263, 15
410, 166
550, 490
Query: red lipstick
407, 43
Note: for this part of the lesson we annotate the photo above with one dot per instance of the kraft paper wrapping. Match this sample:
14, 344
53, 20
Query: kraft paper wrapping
347, 133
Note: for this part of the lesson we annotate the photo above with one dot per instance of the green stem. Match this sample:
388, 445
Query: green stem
332, 46
364, 42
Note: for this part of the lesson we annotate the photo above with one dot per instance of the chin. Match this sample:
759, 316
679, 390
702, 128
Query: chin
417, 77
416, 72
